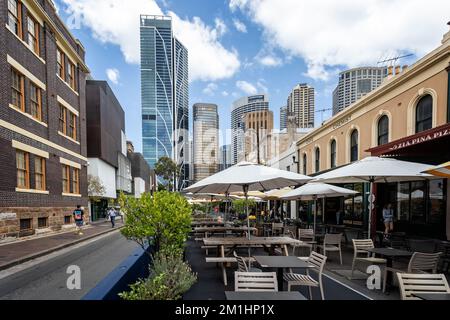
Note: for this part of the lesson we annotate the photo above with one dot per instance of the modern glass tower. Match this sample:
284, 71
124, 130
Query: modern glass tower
164, 92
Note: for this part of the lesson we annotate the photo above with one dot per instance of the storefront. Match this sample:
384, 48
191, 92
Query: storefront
420, 207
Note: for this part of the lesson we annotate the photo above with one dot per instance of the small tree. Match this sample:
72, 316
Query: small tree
164, 219
240, 205
96, 189
167, 169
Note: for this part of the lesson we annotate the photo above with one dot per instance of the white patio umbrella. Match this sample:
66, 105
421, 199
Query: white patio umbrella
376, 170
246, 176
315, 190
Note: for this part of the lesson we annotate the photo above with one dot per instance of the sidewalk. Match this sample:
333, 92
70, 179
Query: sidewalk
18, 252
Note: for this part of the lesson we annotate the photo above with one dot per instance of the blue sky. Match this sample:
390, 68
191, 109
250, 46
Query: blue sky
239, 47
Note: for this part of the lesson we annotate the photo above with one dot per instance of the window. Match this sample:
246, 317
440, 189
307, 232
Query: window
72, 126
71, 75
333, 153
33, 34
354, 146
317, 160
424, 114
23, 169
17, 90
62, 119
15, 17
383, 130
42, 222
39, 173
66, 178
25, 224
67, 219
36, 102
75, 181
60, 64
304, 163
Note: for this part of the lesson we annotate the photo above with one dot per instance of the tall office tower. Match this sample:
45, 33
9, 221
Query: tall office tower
356, 83
165, 94
241, 107
300, 103
283, 118
206, 140
225, 157
258, 127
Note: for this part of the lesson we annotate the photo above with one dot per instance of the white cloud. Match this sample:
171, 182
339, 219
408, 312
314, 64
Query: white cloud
210, 89
240, 26
225, 93
269, 60
221, 27
113, 75
117, 22
347, 32
246, 87
261, 83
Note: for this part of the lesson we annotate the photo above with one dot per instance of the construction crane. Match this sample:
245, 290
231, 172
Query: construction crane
322, 112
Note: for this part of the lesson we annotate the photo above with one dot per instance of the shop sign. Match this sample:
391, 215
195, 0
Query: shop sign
8, 215
340, 123
417, 140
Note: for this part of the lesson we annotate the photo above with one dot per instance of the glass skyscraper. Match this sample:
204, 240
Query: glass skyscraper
165, 94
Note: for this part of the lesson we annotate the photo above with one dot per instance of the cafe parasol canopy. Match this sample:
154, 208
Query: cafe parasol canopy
442, 170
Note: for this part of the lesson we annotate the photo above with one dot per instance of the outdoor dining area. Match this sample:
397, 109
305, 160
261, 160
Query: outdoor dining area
262, 259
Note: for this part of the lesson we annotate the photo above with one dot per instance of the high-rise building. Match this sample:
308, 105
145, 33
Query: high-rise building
241, 107
225, 157
165, 94
206, 140
300, 103
258, 127
283, 118
356, 83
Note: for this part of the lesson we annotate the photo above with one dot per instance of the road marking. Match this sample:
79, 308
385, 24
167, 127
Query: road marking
348, 287
26, 265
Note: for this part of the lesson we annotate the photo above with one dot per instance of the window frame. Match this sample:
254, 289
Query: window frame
66, 178
19, 91
41, 174
38, 103
317, 159
70, 74
355, 147
17, 18
63, 120
25, 170
60, 65
72, 125
75, 180
333, 162
422, 121
384, 135
305, 163
35, 46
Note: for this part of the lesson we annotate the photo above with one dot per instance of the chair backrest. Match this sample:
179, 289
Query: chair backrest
359, 246
411, 283
318, 260
305, 234
424, 262
242, 266
277, 225
255, 281
333, 239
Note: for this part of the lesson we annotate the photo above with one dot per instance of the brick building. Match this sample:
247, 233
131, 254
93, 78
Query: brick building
42, 119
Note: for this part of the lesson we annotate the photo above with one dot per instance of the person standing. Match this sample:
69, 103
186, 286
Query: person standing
112, 216
388, 218
78, 215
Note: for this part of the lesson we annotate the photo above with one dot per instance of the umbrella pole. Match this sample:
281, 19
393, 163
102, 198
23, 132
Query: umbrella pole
315, 214
370, 208
245, 188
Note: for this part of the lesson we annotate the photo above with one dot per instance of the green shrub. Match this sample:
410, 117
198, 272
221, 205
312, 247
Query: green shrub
170, 277
164, 219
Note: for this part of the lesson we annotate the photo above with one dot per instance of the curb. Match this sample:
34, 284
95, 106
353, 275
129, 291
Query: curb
51, 250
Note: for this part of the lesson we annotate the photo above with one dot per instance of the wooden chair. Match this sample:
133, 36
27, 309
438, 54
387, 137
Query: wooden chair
255, 281
295, 279
242, 266
332, 243
411, 283
277, 228
295, 246
359, 248
419, 263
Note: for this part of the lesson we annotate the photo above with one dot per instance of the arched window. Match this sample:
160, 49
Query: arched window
304, 163
424, 114
317, 163
383, 130
354, 146
333, 153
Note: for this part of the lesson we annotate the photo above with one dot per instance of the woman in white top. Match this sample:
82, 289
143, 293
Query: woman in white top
388, 218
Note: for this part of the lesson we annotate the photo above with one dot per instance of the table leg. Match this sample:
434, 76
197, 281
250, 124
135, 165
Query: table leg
280, 278
286, 252
224, 271
389, 274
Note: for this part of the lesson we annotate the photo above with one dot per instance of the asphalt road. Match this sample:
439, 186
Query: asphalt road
46, 277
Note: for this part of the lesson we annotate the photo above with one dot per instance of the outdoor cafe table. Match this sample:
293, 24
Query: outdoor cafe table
233, 242
432, 296
390, 254
281, 262
264, 295
207, 223
211, 230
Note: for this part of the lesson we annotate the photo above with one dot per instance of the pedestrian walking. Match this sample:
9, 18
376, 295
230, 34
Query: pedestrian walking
78, 214
112, 216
